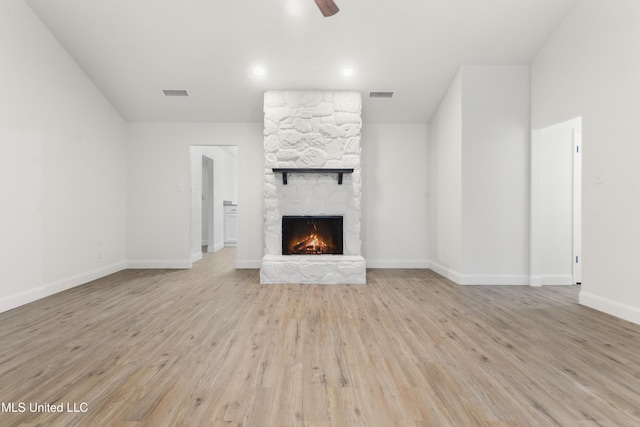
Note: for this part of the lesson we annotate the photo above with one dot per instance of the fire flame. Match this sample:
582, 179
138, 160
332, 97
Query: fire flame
312, 244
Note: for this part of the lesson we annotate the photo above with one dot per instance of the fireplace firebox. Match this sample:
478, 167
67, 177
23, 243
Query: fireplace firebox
312, 235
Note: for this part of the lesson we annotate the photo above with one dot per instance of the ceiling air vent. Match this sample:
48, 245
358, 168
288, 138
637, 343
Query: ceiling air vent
175, 92
380, 94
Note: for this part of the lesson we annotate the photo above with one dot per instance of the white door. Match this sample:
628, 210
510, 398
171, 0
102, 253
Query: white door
556, 201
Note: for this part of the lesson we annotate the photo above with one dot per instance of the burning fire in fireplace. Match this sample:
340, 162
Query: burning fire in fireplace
312, 244
307, 235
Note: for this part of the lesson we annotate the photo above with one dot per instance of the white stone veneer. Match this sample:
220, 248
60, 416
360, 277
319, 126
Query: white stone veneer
312, 129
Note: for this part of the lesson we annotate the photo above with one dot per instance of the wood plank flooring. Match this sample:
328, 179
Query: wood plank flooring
210, 346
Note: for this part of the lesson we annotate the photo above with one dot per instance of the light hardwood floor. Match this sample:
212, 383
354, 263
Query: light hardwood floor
210, 346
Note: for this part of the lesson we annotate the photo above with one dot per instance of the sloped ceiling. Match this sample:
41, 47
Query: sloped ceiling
133, 49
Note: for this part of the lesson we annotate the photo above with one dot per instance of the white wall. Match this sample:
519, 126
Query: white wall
62, 167
479, 150
445, 163
158, 213
495, 174
589, 67
395, 195
159, 196
195, 208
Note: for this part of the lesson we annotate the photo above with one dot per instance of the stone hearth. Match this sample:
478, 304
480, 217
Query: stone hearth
312, 130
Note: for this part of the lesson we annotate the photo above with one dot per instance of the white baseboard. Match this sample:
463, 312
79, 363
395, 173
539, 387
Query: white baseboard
560, 279
445, 272
196, 257
13, 301
159, 264
480, 279
535, 280
551, 280
215, 248
494, 279
379, 263
609, 306
248, 264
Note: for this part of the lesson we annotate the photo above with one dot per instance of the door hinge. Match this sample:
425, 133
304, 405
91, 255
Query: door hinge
577, 259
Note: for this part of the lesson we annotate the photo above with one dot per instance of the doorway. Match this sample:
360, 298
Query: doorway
214, 185
556, 200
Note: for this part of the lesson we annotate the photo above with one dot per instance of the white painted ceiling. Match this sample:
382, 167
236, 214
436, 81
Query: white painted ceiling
133, 49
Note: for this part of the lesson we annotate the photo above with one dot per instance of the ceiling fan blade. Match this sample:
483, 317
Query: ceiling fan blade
327, 7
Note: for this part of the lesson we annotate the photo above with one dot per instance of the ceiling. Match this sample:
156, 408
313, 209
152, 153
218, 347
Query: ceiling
133, 49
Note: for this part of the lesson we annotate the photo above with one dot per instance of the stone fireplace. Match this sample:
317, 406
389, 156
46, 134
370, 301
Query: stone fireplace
312, 188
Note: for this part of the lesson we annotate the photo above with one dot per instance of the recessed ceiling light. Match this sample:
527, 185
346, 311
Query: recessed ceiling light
259, 71
347, 72
294, 8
